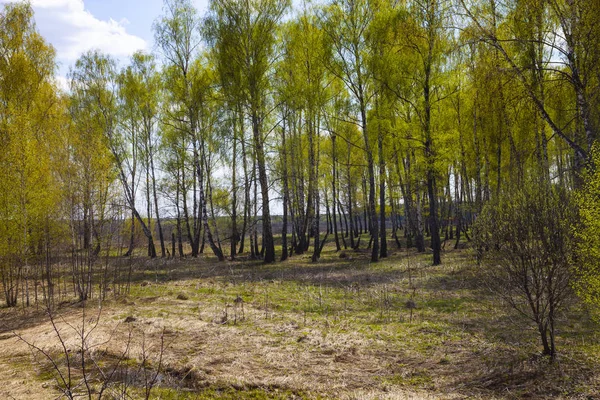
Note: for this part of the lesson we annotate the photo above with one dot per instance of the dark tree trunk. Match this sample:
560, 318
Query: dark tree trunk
436, 244
373, 223
457, 209
419, 237
286, 195
314, 189
383, 250
234, 230
196, 208
149, 209
131, 237
267, 233
186, 215
158, 222
255, 253
334, 194
173, 244
179, 238
344, 234
246, 194
129, 197
204, 212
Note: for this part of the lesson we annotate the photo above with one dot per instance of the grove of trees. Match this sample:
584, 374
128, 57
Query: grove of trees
263, 131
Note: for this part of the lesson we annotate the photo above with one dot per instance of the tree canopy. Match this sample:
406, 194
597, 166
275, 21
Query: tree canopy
348, 121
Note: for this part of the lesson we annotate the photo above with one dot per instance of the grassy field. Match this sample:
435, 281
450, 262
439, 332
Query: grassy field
341, 328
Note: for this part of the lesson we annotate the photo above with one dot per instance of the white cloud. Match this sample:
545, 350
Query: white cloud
62, 82
73, 30
54, 3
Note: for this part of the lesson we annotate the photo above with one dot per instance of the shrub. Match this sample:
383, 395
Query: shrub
525, 244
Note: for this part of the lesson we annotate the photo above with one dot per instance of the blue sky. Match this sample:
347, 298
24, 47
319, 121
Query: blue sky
117, 27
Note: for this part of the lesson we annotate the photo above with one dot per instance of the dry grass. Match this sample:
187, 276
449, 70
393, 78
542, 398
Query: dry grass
340, 328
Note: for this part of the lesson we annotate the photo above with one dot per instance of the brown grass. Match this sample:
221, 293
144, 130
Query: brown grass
336, 329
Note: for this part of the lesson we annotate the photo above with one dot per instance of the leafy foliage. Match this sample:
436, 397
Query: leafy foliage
587, 232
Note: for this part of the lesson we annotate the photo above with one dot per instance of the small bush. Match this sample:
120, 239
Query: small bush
524, 241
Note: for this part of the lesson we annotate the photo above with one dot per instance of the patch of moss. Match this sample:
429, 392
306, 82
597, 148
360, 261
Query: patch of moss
416, 379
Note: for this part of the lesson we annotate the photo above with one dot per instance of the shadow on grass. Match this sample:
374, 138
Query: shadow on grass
330, 270
18, 319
